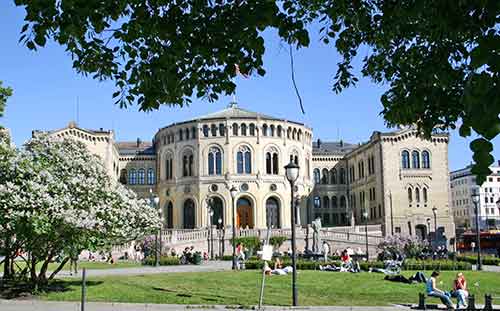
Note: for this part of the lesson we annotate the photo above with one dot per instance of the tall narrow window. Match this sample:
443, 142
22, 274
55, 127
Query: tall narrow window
271, 130
269, 165
222, 129
132, 177
123, 176
214, 161
275, 163
417, 195
326, 202
410, 195
424, 192
187, 164
334, 202
316, 175
415, 157
264, 130
405, 159
141, 175
325, 176
190, 165
251, 129
333, 176
151, 176
193, 132
317, 202
186, 133
426, 161
244, 160
213, 130
243, 129
184, 165
279, 130
342, 175
235, 129
205, 130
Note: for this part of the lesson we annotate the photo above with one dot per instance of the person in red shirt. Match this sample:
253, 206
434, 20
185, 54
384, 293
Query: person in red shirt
460, 289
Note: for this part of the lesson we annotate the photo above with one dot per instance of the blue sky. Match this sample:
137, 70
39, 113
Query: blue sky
46, 89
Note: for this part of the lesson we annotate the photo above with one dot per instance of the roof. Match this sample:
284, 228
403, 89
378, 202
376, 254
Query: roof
135, 148
333, 147
235, 112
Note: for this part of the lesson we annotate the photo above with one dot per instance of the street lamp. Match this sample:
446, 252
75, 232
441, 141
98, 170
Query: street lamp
476, 199
365, 216
211, 214
221, 238
292, 173
434, 211
234, 192
429, 229
498, 206
154, 201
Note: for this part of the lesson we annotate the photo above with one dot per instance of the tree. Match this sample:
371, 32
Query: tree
5, 93
439, 59
56, 199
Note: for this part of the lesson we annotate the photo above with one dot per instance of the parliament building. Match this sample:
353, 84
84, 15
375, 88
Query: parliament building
398, 179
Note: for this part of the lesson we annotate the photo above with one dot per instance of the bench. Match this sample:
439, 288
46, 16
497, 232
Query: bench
471, 302
422, 304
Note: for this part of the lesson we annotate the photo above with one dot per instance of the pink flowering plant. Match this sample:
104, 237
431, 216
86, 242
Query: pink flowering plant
400, 246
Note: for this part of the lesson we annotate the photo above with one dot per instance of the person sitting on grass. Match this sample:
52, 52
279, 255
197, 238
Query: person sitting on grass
433, 291
460, 290
346, 261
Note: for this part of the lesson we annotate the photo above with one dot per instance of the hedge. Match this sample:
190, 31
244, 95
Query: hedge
441, 265
486, 260
164, 261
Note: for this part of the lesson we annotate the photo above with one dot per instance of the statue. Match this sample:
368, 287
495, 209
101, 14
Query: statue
316, 225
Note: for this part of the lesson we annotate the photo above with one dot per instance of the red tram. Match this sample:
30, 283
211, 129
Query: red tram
490, 241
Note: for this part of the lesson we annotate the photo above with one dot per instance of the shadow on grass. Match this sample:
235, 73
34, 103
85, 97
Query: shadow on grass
23, 290
213, 298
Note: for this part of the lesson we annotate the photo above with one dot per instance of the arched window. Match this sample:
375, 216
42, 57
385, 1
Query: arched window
317, 202
235, 129
324, 176
417, 195
288, 132
279, 130
251, 129
213, 130
410, 195
294, 133
181, 134
342, 175
186, 133
169, 215
316, 175
151, 176
271, 130
405, 159
334, 202
326, 202
243, 129
187, 164
123, 176
193, 132
272, 213
415, 159
214, 161
141, 174
342, 202
424, 193
426, 160
244, 160
169, 167
272, 165
189, 214
299, 135
205, 130
264, 130
222, 129
333, 176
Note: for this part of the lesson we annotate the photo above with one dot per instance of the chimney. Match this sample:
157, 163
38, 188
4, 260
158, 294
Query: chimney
138, 142
319, 143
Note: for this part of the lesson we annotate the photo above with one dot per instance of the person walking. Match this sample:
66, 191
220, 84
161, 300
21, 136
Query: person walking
326, 251
73, 262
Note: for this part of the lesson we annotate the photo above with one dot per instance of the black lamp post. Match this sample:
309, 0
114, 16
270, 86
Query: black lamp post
154, 201
292, 173
498, 206
428, 220
234, 192
476, 200
211, 214
221, 238
365, 216
434, 211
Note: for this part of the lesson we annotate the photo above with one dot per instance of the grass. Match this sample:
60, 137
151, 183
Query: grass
242, 288
89, 265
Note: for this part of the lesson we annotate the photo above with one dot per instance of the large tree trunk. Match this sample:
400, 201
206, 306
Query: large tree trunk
59, 268
42, 276
7, 265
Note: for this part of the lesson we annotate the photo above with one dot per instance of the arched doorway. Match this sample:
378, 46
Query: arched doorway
273, 213
244, 215
169, 215
218, 208
188, 213
421, 231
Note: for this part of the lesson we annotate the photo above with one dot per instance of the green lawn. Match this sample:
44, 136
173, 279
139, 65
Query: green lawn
242, 288
86, 264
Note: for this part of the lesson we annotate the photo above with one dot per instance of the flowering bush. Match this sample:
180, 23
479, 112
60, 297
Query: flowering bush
56, 199
400, 246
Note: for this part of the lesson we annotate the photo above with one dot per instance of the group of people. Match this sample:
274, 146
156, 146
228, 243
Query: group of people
347, 264
459, 290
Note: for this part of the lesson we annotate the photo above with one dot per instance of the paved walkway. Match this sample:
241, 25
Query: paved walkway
208, 266
488, 268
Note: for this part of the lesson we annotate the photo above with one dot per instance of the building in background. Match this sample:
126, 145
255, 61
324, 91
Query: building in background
463, 183
398, 178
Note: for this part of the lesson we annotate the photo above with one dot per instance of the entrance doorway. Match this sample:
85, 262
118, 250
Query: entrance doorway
244, 217
421, 232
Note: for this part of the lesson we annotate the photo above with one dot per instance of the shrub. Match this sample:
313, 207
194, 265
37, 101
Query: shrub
486, 260
395, 246
164, 261
251, 243
277, 241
